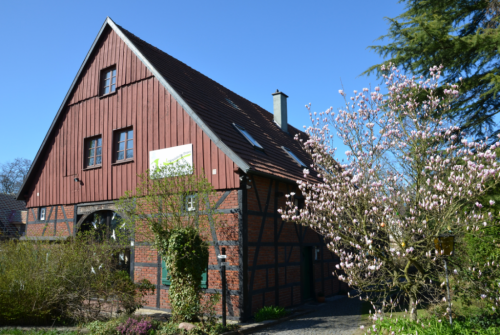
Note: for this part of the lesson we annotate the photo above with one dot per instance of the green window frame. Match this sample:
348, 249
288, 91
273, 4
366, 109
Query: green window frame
165, 279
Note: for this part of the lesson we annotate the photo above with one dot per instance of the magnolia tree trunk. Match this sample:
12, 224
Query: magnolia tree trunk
409, 176
413, 307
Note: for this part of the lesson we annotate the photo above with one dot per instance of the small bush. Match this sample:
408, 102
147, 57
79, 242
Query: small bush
170, 328
208, 311
269, 313
136, 327
103, 328
63, 283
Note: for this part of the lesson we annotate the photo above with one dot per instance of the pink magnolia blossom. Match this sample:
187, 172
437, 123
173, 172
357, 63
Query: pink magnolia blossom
408, 176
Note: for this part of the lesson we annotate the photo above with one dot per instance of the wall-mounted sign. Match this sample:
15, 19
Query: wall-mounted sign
182, 154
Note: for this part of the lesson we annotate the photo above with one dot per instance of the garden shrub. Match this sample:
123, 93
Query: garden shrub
136, 327
270, 313
170, 328
74, 281
208, 310
104, 327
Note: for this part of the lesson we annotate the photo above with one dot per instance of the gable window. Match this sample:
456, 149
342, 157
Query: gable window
249, 137
108, 80
93, 152
41, 213
295, 158
124, 144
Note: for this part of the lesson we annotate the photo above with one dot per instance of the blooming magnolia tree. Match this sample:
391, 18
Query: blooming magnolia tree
409, 176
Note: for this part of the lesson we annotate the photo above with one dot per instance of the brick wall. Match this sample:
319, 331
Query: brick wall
274, 270
227, 234
58, 221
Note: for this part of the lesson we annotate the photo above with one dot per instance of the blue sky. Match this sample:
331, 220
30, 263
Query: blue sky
302, 48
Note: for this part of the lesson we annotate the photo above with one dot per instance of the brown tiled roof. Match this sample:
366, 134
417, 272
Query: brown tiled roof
212, 103
9, 210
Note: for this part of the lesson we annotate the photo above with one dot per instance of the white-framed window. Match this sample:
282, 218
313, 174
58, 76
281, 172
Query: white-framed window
190, 202
108, 80
42, 213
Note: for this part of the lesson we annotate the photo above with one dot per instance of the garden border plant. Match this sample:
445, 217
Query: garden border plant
270, 313
68, 282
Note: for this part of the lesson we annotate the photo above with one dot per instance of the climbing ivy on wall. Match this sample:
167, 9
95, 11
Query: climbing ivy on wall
175, 209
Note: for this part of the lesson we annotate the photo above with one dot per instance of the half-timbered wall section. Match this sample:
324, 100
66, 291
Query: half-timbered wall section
287, 263
140, 102
58, 222
147, 262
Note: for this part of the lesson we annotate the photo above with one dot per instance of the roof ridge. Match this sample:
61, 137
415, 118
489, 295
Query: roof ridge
193, 69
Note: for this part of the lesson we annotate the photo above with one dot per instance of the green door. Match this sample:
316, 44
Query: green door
307, 273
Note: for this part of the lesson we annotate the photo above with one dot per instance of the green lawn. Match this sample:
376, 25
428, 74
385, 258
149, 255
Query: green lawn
366, 307
468, 316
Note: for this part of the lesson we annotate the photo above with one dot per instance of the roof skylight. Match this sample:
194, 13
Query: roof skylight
235, 106
288, 151
249, 137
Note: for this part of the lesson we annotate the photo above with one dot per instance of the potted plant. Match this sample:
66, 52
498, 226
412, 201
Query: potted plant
320, 297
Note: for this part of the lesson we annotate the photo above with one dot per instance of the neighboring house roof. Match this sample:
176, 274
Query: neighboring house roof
10, 212
214, 108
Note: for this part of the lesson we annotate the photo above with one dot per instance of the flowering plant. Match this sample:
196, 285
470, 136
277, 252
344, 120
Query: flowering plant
409, 176
135, 327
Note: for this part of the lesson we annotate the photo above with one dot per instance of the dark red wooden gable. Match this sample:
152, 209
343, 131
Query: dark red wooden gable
140, 101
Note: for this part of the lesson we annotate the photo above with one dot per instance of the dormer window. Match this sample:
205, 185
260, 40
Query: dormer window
295, 158
108, 80
249, 137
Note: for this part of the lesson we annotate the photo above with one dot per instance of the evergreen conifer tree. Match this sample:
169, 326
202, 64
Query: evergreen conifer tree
464, 37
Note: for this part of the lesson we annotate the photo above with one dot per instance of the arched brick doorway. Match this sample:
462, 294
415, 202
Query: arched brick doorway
106, 223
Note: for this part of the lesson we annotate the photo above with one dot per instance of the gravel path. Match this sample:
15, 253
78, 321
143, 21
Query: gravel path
338, 315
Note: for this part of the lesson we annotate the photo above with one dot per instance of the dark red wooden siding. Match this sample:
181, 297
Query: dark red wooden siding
110, 50
141, 101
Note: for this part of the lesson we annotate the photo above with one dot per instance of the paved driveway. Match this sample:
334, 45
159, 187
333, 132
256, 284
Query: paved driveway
338, 315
